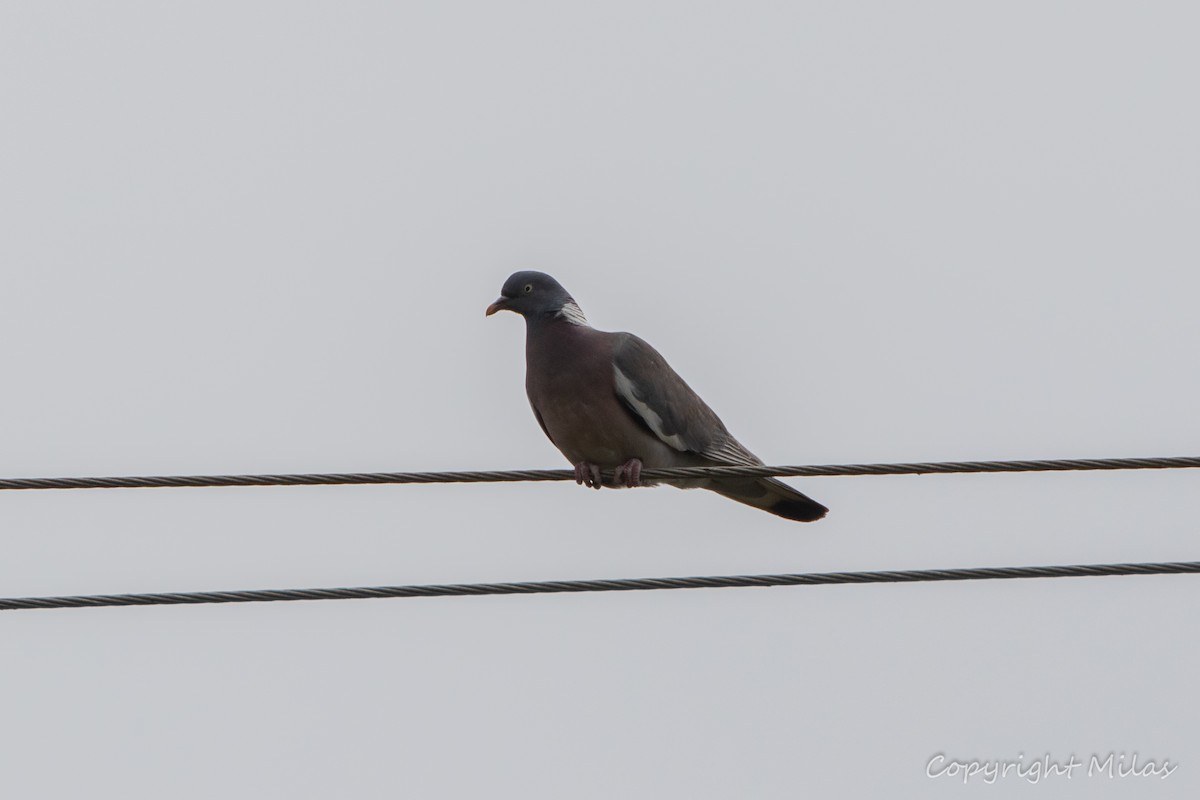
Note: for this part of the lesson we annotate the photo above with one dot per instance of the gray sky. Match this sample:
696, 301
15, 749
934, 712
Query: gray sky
260, 236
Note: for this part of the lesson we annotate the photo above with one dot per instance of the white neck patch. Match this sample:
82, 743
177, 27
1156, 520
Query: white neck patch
573, 314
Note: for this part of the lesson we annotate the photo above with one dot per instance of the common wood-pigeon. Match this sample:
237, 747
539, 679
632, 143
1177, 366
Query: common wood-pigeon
609, 401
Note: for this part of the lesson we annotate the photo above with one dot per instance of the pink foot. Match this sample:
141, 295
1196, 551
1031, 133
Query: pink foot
629, 473
588, 475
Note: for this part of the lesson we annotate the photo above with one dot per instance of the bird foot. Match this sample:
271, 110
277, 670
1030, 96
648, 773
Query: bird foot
629, 473
588, 475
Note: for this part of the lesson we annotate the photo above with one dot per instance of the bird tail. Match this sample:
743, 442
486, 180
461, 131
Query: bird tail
770, 495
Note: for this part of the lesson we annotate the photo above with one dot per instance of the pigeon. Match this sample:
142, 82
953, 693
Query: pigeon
610, 402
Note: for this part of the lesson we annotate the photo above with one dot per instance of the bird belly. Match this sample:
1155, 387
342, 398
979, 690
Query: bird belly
571, 388
585, 430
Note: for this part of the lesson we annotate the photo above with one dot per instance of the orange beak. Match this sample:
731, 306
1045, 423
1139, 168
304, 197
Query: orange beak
500, 304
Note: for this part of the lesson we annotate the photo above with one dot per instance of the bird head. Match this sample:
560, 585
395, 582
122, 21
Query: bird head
533, 295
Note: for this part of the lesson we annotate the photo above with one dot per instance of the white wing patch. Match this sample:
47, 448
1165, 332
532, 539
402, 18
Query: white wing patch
625, 389
573, 314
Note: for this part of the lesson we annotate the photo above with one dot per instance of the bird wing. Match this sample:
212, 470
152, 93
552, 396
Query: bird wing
656, 395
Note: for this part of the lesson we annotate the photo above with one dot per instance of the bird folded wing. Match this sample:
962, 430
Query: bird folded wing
656, 395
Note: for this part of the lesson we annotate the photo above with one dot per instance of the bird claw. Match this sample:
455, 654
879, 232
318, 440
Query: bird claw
588, 475
629, 473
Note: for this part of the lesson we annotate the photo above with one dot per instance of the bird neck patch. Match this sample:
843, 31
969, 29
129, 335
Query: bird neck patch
573, 314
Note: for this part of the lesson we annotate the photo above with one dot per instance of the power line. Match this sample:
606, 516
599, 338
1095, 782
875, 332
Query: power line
620, 585
507, 476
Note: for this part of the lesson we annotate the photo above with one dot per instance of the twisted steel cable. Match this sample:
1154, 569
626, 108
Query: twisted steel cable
505, 476
619, 585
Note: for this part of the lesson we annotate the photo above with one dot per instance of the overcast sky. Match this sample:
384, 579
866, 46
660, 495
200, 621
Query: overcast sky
260, 237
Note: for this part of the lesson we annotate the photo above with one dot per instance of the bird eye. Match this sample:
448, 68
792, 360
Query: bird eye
528, 288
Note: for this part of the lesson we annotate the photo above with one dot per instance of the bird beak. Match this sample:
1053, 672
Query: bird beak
500, 304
